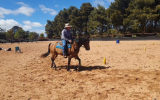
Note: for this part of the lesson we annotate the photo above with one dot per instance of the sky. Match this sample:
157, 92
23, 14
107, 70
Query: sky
32, 15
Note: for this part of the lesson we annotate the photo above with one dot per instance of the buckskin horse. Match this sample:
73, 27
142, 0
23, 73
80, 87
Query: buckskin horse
72, 52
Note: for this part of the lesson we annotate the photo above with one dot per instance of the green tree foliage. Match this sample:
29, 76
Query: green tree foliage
74, 14
99, 22
49, 29
17, 33
10, 34
2, 35
117, 14
15, 29
41, 35
145, 15
122, 16
20, 34
61, 19
54, 28
85, 11
33, 35
26, 36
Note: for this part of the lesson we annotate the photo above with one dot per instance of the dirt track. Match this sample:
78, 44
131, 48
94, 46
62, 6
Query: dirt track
130, 73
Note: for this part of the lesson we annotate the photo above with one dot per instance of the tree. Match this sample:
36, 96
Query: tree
76, 21
20, 34
48, 29
70, 11
98, 23
15, 29
41, 35
117, 14
73, 14
2, 34
122, 16
60, 20
10, 34
77, 18
145, 15
33, 35
156, 15
26, 34
85, 11
54, 28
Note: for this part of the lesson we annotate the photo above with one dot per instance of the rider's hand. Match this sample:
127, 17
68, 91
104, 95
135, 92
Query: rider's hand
70, 41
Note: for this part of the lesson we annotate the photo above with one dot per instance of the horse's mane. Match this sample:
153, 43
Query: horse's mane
79, 40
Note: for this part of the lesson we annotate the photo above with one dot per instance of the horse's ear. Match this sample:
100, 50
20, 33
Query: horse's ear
78, 35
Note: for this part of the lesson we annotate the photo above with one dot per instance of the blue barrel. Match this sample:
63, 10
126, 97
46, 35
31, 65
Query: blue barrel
117, 41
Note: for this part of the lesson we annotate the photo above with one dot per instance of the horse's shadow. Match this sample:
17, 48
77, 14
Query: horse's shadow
84, 68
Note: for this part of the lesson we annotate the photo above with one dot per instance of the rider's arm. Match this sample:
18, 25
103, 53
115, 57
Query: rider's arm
64, 35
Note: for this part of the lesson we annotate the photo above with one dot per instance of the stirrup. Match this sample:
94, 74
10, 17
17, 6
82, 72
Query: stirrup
65, 56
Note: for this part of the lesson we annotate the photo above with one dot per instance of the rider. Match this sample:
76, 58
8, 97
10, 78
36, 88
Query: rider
66, 37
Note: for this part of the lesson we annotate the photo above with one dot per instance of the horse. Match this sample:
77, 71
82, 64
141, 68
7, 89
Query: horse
72, 52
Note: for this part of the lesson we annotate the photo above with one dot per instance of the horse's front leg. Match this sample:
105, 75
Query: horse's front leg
79, 62
68, 67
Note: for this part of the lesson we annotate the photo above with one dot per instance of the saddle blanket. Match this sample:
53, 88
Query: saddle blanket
60, 45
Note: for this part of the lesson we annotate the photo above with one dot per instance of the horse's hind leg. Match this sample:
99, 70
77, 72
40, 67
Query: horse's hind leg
53, 58
54, 64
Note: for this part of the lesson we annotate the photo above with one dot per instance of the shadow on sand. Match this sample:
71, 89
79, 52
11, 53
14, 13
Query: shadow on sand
84, 68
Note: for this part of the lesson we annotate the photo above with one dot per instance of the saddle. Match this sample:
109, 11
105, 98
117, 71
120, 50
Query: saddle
60, 45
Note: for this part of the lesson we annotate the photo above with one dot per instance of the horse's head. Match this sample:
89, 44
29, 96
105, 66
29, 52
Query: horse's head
86, 44
81, 41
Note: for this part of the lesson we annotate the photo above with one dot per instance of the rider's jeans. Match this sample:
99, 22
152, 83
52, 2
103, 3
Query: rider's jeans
64, 46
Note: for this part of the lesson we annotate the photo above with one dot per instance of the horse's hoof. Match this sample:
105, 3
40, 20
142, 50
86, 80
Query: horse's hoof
55, 69
77, 69
69, 70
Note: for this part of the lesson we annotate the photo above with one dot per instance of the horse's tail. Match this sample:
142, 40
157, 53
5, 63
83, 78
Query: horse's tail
46, 54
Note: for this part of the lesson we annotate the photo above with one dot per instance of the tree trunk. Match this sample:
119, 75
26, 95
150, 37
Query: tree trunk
102, 30
155, 26
144, 30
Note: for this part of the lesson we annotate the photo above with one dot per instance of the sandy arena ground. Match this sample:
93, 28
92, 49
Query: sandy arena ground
130, 72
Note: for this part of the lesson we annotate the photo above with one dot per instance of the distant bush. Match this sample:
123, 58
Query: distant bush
42, 39
134, 35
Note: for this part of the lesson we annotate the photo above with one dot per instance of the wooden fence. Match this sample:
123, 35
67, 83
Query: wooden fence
131, 35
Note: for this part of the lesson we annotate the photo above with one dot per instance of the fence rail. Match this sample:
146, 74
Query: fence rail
108, 37
115, 35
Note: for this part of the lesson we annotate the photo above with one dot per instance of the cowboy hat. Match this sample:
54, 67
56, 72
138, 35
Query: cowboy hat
67, 25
